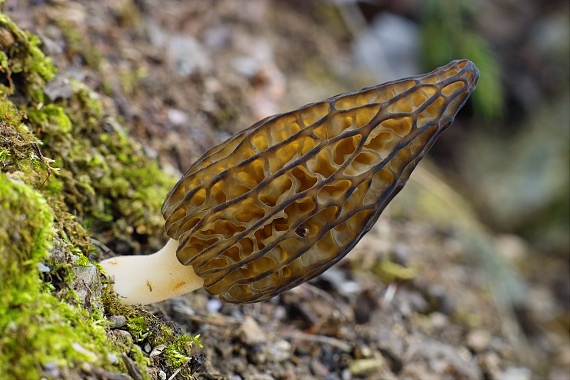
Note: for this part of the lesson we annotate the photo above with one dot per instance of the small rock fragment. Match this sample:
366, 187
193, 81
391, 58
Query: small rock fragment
257, 354
132, 367
516, 373
113, 358
117, 321
214, 305
157, 350
83, 351
319, 369
51, 370
363, 367
177, 117
87, 284
250, 333
86, 368
478, 340
43, 268
279, 351
6, 38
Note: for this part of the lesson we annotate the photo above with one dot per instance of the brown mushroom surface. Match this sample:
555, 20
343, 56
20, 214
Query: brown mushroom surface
282, 201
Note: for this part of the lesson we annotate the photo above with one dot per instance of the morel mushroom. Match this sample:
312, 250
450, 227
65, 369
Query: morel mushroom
285, 199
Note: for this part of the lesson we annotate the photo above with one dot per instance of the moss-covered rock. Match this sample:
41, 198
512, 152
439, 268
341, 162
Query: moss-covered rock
38, 330
66, 172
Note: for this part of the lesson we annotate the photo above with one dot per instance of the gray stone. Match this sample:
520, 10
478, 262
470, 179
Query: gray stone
250, 333
87, 285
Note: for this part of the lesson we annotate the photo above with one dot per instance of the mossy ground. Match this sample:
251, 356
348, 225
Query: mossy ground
66, 170
38, 329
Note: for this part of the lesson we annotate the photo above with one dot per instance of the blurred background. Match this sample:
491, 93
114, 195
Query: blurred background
509, 153
183, 75
507, 156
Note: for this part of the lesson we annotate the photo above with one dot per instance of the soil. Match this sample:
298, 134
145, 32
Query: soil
417, 298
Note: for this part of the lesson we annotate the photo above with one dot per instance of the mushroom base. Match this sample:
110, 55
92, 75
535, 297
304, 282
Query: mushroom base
151, 278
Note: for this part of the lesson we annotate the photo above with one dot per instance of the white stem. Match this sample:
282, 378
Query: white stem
152, 278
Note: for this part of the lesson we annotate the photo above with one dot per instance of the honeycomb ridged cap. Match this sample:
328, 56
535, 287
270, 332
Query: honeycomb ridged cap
280, 202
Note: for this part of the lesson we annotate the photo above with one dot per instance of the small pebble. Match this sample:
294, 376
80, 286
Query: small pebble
83, 351
363, 367
122, 337
86, 368
157, 350
257, 354
363, 351
162, 375
516, 373
86, 283
348, 288
117, 321
279, 313
319, 369
51, 370
113, 358
279, 351
177, 117
401, 254
246, 66
214, 305
250, 333
439, 320
478, 340
43, 268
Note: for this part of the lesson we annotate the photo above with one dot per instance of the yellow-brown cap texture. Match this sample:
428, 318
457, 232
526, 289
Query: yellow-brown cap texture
282, 201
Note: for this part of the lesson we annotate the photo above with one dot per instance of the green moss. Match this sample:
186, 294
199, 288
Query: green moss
50, 117
99, 178
177, 353
106, 177
36, 328
25, 235
138, 328
141, 361
81, 260
24, 60
146, 328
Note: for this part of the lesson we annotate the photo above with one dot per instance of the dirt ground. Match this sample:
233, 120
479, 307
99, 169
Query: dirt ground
429, 293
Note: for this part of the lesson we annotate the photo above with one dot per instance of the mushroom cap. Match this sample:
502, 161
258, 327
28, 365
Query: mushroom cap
280, 202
